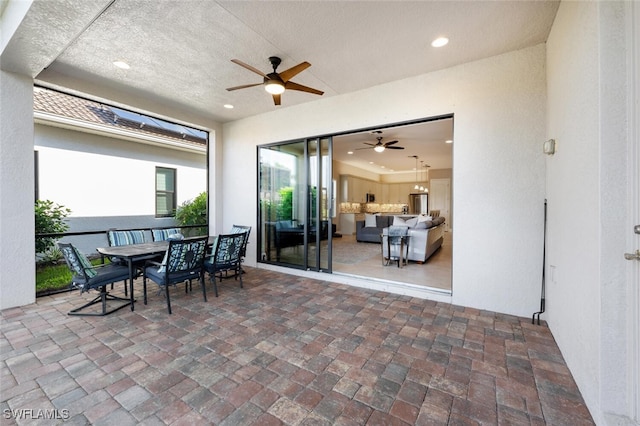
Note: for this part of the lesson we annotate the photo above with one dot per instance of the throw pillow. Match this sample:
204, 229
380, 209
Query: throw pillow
420, 225
369, 220
398, 221
411, 223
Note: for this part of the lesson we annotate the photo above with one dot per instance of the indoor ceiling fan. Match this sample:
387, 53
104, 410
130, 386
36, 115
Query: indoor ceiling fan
276, 83
380, 147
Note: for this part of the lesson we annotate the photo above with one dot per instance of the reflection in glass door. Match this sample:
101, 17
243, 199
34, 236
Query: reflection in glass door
294, 204
319, 191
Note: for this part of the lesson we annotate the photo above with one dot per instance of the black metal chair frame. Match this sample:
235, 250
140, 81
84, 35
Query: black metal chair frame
105, 275
243, 252
226, 257
179, 266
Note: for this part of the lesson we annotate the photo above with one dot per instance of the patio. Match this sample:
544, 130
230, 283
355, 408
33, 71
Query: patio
283, 350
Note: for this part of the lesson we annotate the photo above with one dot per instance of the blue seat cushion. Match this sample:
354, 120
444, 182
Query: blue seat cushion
160, 277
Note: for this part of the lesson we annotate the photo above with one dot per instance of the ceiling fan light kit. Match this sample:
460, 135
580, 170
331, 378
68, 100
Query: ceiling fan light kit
380, 147
274, 87
276, 83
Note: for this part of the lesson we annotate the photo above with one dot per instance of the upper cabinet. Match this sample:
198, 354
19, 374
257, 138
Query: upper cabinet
354, 189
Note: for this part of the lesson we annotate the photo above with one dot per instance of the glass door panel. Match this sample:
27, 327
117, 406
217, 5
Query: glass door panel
282, 200
295, 204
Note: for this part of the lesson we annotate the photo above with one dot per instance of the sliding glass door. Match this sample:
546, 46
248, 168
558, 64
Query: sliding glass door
295, 207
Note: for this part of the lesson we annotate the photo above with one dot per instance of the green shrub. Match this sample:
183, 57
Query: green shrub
56, 276
193, 212
285, 206
49, 220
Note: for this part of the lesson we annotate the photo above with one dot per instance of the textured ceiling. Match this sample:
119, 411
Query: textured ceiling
180, 51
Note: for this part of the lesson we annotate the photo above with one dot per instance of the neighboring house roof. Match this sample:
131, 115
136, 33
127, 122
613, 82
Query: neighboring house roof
57, 104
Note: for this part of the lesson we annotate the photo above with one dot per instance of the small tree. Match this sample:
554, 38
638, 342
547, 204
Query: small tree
49, 220
193, 212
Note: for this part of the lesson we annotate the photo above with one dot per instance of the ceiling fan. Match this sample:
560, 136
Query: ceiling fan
380, 147
276, 83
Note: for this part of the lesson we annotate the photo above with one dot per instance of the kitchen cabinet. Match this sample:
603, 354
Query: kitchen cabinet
354, 190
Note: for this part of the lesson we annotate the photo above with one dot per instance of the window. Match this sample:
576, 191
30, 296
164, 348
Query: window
165, 192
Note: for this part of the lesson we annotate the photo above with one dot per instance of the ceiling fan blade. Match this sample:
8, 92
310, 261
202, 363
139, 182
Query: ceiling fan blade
249, 67
244, 86
370, 144
276, 99
293, 71
295, 86
390, 143
369, 147
395, 147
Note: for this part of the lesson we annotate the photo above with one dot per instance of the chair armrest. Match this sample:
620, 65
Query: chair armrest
152, 263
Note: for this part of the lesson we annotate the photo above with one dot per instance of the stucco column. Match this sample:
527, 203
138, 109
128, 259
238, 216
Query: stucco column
17, 269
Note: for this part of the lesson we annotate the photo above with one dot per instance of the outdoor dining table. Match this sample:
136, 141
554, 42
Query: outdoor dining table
133, 253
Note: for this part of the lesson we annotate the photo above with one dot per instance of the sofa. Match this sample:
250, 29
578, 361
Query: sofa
288, 233
426, 233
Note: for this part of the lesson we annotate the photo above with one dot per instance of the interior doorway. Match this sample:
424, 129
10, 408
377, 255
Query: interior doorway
379, 182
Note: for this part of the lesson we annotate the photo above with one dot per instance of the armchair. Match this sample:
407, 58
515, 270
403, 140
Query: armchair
226, 257
88, 277
182, 262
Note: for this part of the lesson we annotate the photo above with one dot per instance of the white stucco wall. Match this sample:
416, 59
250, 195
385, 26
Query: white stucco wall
99, 176
110, 183
17, 272
586, 187
499, 126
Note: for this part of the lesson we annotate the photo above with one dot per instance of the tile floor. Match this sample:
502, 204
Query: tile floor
435, 272
283, 350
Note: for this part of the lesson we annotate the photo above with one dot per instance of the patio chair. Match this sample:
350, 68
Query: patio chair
124, 238
164, 234
237, 229
226, 257
182, 262
89, 277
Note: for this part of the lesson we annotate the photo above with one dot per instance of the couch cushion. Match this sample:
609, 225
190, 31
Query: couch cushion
382, 221
410, 222
438, 220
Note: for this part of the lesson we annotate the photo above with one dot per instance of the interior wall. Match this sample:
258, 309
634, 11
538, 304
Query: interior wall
585, 179
499, 107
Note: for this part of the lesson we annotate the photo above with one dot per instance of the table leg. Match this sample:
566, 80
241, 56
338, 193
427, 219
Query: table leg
131, 275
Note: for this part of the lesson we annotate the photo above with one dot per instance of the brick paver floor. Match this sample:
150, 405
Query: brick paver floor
282, 350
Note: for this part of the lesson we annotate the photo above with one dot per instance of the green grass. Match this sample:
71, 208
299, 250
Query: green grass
55, 277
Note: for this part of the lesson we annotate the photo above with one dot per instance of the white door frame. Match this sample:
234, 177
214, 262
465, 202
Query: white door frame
633, 179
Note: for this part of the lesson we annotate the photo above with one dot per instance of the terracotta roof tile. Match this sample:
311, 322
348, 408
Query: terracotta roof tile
64, 105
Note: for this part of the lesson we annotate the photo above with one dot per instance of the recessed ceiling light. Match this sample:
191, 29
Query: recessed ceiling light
371, 162
350, 152
228, 106
448, 141
439, 42
122, 65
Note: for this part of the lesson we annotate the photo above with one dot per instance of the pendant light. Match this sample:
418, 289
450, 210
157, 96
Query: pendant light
421, 167
416, 169
426, 178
